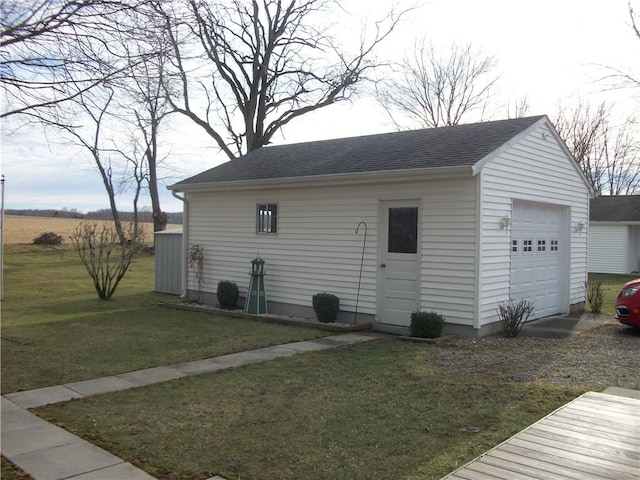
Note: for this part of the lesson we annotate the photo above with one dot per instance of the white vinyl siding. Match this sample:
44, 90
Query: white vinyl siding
534, 168
317, 250
449, 250
608, 248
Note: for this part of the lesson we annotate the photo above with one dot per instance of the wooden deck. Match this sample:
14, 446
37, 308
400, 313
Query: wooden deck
596, 436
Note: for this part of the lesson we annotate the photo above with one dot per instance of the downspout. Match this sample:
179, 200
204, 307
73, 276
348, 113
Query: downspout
185, 232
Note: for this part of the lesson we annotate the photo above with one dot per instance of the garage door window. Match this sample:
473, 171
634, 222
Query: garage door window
542, 245
554, 246
514, 246
527, 245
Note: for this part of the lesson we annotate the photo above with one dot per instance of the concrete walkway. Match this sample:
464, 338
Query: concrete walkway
562, 326
48, 452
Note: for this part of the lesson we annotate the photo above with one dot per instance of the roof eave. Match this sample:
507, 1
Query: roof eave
356, 178
616, 222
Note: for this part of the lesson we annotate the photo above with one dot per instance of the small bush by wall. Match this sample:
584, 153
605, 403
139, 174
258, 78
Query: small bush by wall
48, 238
228, 295
426, 324
595, 295
513, 315
326, 306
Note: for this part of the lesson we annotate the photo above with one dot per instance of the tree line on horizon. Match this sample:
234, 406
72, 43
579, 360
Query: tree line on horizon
100, 214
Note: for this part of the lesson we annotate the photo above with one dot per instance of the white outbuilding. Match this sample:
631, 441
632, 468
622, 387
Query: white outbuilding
453, 219
614, 234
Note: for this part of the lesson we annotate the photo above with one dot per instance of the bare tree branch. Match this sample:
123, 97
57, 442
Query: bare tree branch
609, 156
618, 78
37, 45
433, 90
259, 65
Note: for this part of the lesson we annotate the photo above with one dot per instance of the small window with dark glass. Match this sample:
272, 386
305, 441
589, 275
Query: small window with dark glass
514, 246
403, 230
527, 245
267, 218
554, 246
542, 245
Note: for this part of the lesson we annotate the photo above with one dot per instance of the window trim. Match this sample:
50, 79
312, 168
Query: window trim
267, 227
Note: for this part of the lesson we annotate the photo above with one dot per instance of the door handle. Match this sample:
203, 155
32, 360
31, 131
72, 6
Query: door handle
383, 265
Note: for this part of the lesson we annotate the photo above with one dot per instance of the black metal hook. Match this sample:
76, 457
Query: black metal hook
365, 227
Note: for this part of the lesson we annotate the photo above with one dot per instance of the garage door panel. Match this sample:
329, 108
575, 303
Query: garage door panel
541, 273
537, 272
554, 272
526, 277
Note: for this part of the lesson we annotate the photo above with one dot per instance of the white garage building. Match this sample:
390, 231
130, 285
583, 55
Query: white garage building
458, 219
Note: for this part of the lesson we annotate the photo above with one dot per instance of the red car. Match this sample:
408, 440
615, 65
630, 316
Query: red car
628, 304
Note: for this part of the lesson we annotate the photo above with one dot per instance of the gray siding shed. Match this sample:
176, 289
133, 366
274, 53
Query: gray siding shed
168, 256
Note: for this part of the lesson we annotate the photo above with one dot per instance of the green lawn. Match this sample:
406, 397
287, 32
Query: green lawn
372, 411
55, 329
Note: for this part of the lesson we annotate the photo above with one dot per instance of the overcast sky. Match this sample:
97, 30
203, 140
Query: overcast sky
547, 50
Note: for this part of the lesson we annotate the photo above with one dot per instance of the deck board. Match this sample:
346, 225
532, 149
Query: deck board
595, 436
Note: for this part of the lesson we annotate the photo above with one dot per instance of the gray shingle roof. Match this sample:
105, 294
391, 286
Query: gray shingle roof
615, 208
454, 146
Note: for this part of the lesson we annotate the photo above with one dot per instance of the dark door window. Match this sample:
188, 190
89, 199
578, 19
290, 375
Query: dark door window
403, 230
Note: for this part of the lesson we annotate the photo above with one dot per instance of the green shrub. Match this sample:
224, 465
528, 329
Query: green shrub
326, 306
426, 324
228, 295
48, 238
513, 315
595, 295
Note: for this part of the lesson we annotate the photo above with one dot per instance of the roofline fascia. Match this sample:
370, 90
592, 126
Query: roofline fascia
356, 178
617, 223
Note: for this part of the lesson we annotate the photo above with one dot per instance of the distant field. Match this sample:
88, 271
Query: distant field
23, 229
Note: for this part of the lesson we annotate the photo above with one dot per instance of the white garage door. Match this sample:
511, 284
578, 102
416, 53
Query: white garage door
538, 252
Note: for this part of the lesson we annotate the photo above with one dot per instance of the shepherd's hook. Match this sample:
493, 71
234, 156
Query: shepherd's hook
364, 244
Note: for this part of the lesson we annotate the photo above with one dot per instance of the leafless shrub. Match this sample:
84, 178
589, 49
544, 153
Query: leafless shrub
595, 295
105, 257
513, 315
195, 255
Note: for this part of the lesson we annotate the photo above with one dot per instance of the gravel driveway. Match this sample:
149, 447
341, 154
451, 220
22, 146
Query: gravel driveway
605, 356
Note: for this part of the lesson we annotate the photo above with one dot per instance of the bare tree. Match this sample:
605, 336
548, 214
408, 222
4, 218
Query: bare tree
258, 65
608, 155
123, 96
624, 78
91, 109
622, 160
35, 42
434, 89
518, 109
144, 106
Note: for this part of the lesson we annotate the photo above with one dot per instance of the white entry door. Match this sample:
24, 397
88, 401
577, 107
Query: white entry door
399, 264
539, 255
